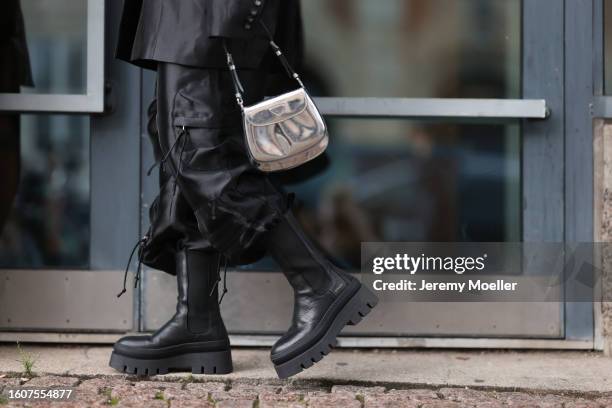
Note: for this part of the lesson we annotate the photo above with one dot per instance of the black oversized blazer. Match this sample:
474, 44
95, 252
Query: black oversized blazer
188, 32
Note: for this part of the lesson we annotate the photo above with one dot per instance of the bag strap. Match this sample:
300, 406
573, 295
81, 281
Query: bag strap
238, 88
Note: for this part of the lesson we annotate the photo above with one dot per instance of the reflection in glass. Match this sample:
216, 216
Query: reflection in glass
56, 33
398, 180
48, 225
414, 48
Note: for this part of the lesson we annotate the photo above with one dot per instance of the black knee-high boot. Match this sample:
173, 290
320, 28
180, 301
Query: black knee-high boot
326, 299
195, 338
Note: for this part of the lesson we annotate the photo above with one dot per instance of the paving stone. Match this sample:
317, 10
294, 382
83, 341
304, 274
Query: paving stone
522, 399
96, 385
43, 404
332, 400
485, 404
52, 381
283, 404
244, 391
281, 396
142, 401
585, 403
234, 403
303, 388
192, 403
83, 400
552, 401
9, 382
103, 390
174, 393
390, 401
603, 402
27, 404
203, 389
157, 385
469, 397
403, 398
416, 394
161, 390
354, 390
286, 400
439, 404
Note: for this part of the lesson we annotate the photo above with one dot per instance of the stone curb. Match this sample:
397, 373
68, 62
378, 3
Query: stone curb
129, 391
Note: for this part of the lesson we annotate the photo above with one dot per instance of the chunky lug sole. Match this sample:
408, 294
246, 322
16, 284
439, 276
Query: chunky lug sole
211, 362
352, 313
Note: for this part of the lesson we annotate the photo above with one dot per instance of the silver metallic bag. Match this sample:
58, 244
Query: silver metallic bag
282, 132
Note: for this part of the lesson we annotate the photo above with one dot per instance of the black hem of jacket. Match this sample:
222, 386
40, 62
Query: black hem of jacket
149, 32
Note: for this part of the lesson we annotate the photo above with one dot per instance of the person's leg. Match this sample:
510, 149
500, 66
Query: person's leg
195, 172
326, 298
172, 225
202, 140
242, 212
195, 338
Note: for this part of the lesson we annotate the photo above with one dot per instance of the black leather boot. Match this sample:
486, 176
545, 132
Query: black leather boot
195, 338
326, 299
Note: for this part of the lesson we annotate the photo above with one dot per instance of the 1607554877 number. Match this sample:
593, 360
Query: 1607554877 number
38, 393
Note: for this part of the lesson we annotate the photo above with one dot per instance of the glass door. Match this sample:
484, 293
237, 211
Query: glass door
69, 190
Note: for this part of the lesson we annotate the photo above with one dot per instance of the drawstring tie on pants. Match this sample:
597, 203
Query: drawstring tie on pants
138, 245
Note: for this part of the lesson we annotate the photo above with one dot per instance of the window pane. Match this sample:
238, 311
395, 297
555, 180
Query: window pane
413, 48
56, 38
44, 160
399, 180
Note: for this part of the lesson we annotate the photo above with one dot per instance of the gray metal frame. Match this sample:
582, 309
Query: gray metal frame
602, 103
115, 170
582, 21
416, 108
149, 185
601, 109
93, 100
543, 178
115, 161
245, 340
63, 300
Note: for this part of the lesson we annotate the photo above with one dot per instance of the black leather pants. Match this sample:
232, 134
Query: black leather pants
172, 223
211, 197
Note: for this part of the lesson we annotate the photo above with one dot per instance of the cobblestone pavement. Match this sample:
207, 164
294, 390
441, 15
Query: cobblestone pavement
189, 392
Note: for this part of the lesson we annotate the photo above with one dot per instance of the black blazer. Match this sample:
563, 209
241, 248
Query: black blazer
188, 32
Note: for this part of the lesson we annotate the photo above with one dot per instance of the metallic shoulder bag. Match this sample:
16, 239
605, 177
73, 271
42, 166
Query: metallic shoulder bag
282, 132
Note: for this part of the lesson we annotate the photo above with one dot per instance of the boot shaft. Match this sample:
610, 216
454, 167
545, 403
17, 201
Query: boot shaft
198, 294
306, 267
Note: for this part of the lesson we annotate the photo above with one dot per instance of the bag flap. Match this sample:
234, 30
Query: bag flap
276, 109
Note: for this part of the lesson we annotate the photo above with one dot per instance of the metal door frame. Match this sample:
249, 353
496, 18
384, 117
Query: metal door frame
91, 308
93, 99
